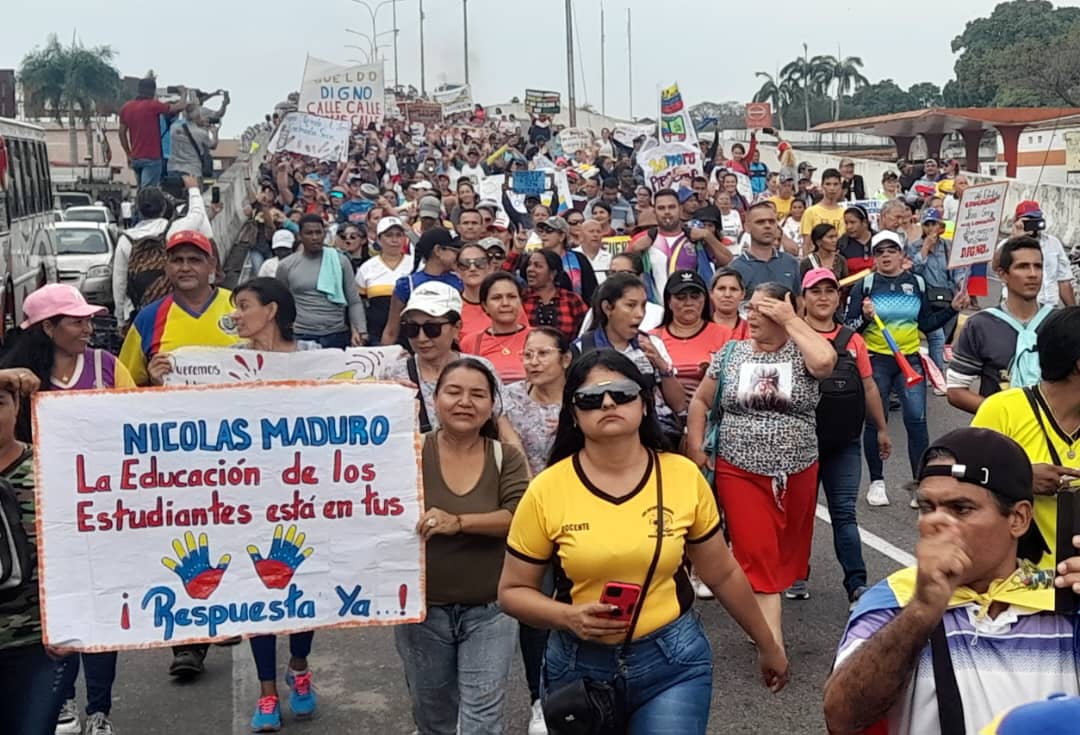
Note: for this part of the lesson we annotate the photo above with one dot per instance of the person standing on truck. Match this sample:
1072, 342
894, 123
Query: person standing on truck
140, 132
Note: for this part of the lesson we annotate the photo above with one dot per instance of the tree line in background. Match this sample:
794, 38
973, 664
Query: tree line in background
1025, 54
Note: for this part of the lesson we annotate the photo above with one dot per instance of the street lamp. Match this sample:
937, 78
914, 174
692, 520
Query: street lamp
375, 34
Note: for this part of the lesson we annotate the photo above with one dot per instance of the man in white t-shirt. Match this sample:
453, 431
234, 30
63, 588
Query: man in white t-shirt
970, 630
592, 247
1057, 288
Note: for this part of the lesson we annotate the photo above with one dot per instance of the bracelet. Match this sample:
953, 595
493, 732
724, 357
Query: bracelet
668, 374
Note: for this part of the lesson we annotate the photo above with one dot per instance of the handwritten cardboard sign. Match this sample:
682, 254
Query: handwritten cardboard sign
977, 221
669, 163
428, 113
530, 182
198, 513
353, 93
626, 133
573, 140
217, 365
453, 101
542, 102
323, 138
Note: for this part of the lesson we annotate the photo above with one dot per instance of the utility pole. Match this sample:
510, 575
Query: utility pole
603, 75
629, 65
570, 64
465, 16
393, 9
423, 82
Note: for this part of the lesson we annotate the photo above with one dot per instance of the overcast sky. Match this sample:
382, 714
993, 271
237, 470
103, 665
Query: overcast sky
257, 49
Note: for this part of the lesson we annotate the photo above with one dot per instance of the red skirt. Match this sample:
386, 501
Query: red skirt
770, 542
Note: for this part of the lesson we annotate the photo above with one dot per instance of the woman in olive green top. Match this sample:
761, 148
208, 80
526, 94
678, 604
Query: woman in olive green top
457, 662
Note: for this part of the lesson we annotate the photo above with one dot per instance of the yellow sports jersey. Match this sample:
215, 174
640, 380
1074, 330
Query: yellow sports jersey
593, 539
783, 207
1009, 413
820, 215
164, 325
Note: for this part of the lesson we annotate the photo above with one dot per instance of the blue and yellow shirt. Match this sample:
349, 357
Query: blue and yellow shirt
164, 325
901, 303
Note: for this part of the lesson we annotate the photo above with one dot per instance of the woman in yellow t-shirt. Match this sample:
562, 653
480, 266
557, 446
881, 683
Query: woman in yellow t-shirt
593, 515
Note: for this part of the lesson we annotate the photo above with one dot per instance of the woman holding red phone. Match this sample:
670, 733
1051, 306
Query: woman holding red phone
608, 475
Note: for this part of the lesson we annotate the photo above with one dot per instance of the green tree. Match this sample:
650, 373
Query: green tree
71, 82
807, 75
925, 94
773, 92
987, 50
882, 98
1047, 78
848, 76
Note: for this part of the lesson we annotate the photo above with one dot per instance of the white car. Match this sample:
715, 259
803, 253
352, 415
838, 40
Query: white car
84, 253
93, 213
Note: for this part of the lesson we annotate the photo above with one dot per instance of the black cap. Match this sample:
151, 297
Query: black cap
985, 458
708, 213
685, 280
437, 236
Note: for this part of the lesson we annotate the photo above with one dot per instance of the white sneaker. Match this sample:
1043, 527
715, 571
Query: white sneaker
68, 722
700, 588
537, 726
876, 495
98, 724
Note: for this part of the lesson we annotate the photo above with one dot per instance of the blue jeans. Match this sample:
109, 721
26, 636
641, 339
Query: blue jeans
840, 474
889, 379
665, 679
337, 340
100, 675
264, 649
935, 342
533, 641
457, 664
33, 690
147, 171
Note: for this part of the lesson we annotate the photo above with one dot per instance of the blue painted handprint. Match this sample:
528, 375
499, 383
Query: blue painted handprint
285, 556
192, 565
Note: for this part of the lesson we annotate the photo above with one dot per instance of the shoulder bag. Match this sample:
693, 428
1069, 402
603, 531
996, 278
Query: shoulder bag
715, 417
205, 159
591, 707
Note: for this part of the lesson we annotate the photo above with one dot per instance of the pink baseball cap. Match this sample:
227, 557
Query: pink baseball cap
815, 276
56, 299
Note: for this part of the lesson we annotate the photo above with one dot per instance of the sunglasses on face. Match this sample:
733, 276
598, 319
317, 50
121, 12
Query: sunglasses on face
886, 250
469, 263
621, 392
431, 330
573, 222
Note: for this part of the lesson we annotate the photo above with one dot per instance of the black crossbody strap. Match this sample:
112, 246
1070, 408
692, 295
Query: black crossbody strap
1034, 403
655, 458
414, 376
190, 137
950, 707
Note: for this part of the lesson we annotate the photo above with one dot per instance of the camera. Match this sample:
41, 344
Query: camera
1034, 226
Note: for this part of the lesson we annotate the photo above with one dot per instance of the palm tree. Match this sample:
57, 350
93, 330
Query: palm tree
849, 79
805, 75
772, 92
71, 82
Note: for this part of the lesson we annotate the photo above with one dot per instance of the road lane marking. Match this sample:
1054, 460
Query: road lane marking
874, 541
245, 687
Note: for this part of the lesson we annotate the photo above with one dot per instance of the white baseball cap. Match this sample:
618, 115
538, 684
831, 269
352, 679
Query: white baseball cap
434, 298
282, 239
387, 223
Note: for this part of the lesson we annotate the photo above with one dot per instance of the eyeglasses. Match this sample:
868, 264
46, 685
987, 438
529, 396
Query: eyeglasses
621, 392
470, 263
431, 330
541, 355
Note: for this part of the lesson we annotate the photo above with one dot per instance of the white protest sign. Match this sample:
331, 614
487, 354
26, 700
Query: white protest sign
323, 138
353, 93
216, 365
625, 133
668, 163
453, 101
491, 187
573, 140
977, 221
198, 513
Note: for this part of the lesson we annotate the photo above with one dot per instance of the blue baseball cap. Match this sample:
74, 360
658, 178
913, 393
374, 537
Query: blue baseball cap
1055, 716
685, 194
932, 215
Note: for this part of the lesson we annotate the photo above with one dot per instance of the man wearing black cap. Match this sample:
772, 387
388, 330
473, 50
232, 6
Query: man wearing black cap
970, 630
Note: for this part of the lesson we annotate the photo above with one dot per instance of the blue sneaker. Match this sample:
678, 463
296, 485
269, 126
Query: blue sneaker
302, 697
267, 717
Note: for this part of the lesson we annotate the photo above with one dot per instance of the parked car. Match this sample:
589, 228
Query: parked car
65, 199
84, 253
98, 213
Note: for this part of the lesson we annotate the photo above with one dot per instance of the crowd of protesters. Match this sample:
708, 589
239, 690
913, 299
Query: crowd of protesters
620, 383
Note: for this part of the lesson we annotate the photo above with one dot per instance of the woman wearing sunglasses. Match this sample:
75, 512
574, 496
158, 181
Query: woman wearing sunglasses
355, 245
597, 503
457, 662
503, 340
768, 396
431, 323
473, 265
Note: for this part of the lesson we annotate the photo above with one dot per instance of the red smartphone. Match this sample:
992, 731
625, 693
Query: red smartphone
623, 596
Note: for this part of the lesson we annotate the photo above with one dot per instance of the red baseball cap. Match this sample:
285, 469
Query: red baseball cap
190, 237
1028, 208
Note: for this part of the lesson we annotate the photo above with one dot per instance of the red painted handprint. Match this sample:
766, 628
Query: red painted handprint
276, 571
192, 565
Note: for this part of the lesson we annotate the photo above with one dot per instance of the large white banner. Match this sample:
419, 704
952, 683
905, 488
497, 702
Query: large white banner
978, 219
323, 138
453, 101
667, 164
674, 124
216, 365
352, 93
198, 513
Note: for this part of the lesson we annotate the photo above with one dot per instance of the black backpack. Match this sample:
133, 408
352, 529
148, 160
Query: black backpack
147, 281
16, 553
841, 411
